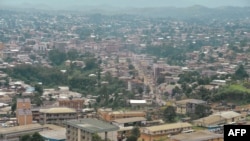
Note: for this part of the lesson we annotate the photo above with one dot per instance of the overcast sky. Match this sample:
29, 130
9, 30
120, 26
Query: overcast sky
129, 3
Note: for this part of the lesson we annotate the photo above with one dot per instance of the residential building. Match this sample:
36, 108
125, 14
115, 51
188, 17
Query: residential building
153, 133
84, 129
188, 105
56, 115
23, 111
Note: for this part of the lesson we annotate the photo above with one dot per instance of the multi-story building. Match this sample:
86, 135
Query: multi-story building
109, 115
162, 131
75, 103
23, 111
56, 115
188, 105
14, 133
84, 129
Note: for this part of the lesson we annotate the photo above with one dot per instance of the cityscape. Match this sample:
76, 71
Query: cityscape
136, 74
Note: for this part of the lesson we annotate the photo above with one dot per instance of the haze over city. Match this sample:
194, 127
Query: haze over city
62, 4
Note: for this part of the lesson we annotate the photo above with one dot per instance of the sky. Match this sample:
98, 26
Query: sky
61, 4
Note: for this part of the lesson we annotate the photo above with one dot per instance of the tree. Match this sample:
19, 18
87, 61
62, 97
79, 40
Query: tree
169, 114
90, 64
72, 54
241, 73
37, 137
25, 138
140, 90
39, 89
131, 67
34, 137
96, 137
131, 138
57, 57
201, 111
136, 132
160, 80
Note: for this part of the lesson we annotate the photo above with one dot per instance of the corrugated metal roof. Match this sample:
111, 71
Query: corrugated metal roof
168, 126
92, 125
128, 120
58, 110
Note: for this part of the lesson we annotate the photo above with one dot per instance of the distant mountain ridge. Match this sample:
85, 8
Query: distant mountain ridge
196, 11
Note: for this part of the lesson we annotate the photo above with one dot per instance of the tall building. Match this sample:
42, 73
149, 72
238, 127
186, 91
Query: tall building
56, 115
84, 129
23, 111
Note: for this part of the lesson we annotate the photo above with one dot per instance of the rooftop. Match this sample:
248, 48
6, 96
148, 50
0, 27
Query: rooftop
21, 128
212, 119
54, 134
137, 101
195, 101
168, 126
228, 114
58, 110
128, 120
92, 125
197, 136
127, 112
23, 100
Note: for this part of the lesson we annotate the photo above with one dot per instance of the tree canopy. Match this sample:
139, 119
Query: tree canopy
169, 114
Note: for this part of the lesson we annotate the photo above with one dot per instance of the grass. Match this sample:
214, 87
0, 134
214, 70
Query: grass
197, 128
239, 88
248, 118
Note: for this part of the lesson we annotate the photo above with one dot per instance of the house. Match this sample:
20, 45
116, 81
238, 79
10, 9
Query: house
188, 105
153, 133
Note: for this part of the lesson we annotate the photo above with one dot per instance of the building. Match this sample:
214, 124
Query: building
133, 121
198, 136
109, 115
220, 118
55, 133
84, 129
138, 103
75, 103
188, 105
23, 111
56, 115
163, 131
14, 133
